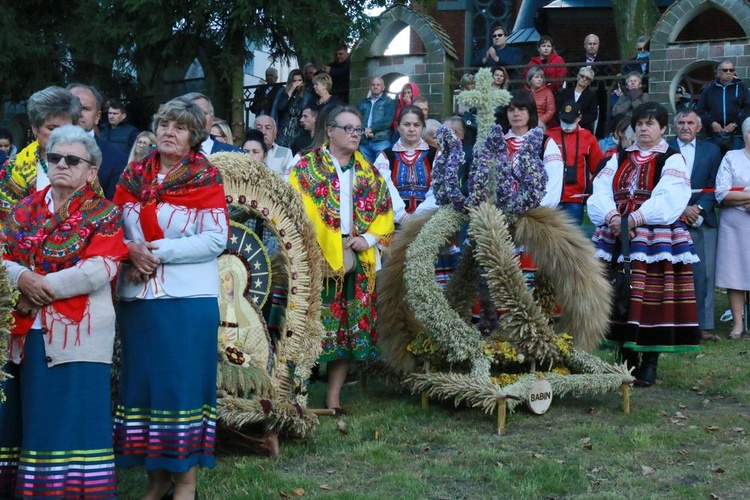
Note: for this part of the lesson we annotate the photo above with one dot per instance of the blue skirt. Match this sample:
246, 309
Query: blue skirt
166, 411
64, 425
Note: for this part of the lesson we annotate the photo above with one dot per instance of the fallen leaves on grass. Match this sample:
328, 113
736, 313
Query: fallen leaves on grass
739, 430
586, 443
719, 470
646, 470
711, 428
324, 487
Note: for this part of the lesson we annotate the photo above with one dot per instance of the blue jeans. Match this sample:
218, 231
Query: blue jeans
574, 210
371, 149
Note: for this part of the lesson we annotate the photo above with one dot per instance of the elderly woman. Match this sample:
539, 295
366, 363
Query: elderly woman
648, 188
345, 196
176, 226
543, 96
63, 245
733, 252
584, 96
629, 99
48, 109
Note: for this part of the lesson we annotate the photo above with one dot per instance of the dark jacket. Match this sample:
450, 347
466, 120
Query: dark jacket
705, 168
382, 116
121, 137
587, 102
724, 104
222, 147
113, 163
264, 98
339, 73
509, 56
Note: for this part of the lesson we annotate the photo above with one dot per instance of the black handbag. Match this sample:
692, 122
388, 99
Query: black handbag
620, 277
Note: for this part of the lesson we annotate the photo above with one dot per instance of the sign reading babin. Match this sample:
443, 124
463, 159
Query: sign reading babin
540, 397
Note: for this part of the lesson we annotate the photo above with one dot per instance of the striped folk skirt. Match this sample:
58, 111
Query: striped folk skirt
166, 412
56, 429
663, 315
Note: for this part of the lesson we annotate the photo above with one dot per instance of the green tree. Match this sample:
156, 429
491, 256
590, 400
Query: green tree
633, 18
124, 46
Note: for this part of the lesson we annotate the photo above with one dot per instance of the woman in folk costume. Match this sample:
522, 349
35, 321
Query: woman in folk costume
63, 245
176, 224
344, 195
27, 173
408, 164
648, 188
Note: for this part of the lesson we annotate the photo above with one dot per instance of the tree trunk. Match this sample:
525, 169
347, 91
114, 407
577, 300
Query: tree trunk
633, 18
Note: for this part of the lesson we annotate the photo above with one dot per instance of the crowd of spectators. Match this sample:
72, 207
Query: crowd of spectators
362, 170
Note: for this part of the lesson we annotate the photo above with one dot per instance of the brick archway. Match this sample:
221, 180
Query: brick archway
671, 60
431, 70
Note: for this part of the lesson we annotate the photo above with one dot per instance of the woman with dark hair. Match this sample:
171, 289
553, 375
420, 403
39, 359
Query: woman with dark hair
408, 164
176, 226
6, 143
48, 109
526, 141
348, 202
289, 106
63, 246
255, 146
647, 188
548, 56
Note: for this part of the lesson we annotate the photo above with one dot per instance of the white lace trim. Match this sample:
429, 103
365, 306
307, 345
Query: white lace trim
683, 258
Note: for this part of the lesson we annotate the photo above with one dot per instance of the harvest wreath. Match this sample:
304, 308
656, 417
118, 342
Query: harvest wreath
262, 378
427, 333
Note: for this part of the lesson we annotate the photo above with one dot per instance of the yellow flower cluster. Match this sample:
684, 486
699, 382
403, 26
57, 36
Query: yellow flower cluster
564, 343
502, 351
504, 379
423, 345
561, 370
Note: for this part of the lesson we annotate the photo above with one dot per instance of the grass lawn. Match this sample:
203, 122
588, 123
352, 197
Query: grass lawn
687, 437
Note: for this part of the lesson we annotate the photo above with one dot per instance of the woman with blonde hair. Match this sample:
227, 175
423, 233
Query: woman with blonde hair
143, 144
221, 131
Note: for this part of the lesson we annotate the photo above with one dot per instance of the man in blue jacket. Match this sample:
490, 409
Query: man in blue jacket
377, 115
723, 106
703, 159
498, 53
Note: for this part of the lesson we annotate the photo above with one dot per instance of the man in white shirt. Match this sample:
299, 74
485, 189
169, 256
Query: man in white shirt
278, 157
702, 159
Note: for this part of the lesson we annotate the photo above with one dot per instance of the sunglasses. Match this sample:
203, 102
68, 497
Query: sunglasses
641, 49
727, 70
70, 160
496, 35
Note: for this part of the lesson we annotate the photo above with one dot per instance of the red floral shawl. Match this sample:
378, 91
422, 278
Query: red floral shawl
193, 183
87, 225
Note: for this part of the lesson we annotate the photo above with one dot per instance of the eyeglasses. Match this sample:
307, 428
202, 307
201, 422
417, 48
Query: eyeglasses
143, 143
70, 160
350, 129
585, 77
727, 70
498, 35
